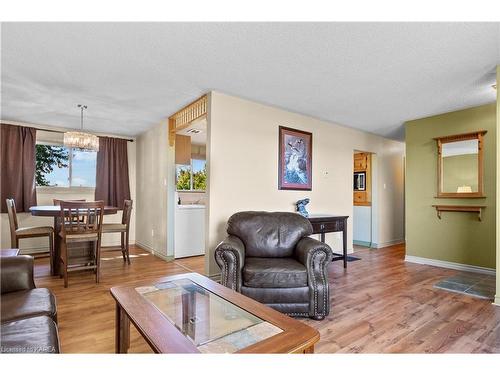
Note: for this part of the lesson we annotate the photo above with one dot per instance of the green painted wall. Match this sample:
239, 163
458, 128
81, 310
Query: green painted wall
497, 297
458, 237
459, 170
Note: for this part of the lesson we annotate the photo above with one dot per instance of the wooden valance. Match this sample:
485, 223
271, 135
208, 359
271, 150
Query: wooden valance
182, 118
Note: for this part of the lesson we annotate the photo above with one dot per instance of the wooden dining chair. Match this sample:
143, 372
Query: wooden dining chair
81, 223
123, 228
17, 233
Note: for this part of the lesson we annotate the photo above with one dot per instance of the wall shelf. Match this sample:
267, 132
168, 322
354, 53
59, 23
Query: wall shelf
447, 208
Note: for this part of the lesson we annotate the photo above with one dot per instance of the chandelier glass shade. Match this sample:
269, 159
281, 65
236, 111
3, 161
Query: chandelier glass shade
80, 139
85, 141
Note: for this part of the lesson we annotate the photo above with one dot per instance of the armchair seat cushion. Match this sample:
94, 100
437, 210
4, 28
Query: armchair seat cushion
28, 303
274, 273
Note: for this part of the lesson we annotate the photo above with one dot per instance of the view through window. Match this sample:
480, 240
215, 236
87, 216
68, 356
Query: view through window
59, 166
192, 177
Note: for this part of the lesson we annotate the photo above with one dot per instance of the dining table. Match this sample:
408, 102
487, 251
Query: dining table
55, 212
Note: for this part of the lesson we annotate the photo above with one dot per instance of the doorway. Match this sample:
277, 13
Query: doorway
364, 199
188, 182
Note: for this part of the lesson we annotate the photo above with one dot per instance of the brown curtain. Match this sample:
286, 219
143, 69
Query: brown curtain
112, 185
18, 161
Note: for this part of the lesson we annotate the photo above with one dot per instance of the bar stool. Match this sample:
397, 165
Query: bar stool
57, 202
123, 228
81, 223
17, 233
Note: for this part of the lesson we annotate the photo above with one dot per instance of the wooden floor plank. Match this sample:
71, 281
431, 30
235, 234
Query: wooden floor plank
380, 304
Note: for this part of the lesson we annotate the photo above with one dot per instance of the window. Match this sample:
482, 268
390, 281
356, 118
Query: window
83, 168
192, 177
59, 166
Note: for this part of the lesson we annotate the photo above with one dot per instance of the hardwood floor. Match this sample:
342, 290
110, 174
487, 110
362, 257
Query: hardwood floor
380, 304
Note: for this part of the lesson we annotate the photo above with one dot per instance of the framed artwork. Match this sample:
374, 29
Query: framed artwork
294, 159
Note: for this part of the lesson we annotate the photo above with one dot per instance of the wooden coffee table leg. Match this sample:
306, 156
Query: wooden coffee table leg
309, 350
122, 330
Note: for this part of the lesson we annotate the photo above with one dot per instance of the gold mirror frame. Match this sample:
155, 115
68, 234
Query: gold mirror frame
480, 171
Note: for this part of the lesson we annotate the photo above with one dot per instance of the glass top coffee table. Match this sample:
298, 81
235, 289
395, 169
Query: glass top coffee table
190, 313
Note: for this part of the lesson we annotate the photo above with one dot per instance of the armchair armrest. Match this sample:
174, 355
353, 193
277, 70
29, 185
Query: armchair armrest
230, 256
316, 256
16, 273
308, 248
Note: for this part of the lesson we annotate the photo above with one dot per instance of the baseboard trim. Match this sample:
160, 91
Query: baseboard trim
497, 301
451, 265
362, 243
45, 249
154, 252
388, 243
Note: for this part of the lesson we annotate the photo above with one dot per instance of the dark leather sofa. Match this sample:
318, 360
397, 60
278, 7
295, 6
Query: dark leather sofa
28, 314
269, 257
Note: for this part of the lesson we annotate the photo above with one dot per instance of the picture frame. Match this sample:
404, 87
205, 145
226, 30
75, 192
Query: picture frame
294, 159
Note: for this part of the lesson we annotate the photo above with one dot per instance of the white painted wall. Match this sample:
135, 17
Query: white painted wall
153, 174
242, 154
46, 194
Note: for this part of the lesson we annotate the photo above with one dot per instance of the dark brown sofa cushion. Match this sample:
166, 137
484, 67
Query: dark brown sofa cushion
16, 273
274, 273
33, 335
27, 304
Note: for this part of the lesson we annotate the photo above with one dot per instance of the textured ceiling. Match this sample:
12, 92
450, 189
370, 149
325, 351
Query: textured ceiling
370, 76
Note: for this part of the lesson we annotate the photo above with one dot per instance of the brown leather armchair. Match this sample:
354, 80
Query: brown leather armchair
269, 257
28, 314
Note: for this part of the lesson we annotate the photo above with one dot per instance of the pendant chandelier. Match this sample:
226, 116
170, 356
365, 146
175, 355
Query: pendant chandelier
81, 140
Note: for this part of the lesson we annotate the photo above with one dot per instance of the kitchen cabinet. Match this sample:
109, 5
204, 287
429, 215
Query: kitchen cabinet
182, 149
362, 192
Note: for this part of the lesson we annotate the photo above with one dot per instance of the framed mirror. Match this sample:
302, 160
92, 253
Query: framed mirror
460, 165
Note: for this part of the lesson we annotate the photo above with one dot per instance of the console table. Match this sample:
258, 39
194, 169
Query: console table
331, 223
